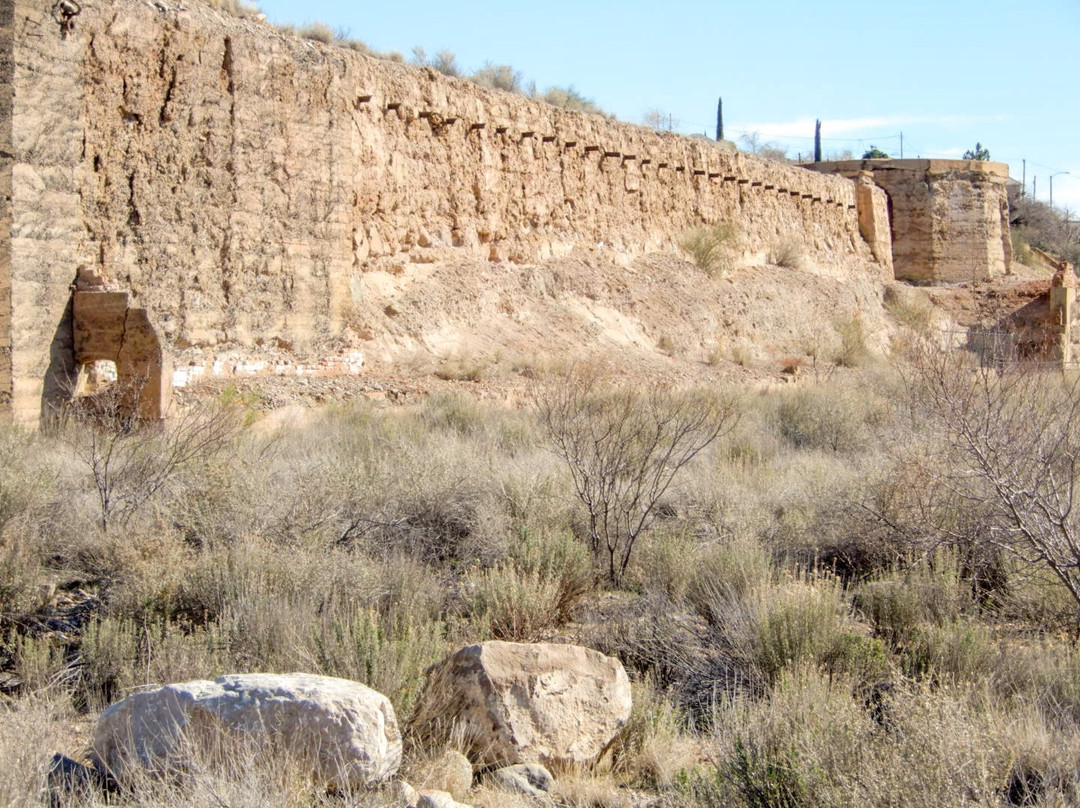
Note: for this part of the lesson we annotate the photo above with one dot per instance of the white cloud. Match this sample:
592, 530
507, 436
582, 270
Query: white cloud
834, 127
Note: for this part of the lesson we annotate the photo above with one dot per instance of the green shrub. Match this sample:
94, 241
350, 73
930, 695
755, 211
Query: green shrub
956, 652
899, 602
535, 592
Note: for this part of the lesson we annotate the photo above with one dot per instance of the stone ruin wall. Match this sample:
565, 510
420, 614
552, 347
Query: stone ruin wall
950, 218
238, 184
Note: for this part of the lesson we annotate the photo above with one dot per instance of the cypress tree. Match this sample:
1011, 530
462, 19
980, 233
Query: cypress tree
720, 118
817, 141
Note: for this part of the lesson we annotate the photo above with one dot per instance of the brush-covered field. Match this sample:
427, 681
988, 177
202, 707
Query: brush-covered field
860, 592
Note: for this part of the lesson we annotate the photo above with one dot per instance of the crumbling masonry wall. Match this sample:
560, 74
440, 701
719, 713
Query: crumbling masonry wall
238, 183
950, 218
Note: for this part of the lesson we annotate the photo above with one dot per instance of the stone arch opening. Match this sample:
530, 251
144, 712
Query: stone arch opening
116, 347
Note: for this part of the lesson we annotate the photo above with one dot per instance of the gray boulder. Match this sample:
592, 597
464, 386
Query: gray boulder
530, 779
346, 732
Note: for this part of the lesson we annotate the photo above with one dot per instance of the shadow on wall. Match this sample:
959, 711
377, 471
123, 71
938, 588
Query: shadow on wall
61, 375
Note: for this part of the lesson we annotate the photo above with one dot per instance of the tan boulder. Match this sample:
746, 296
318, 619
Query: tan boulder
448, 771
522, 703
346, 732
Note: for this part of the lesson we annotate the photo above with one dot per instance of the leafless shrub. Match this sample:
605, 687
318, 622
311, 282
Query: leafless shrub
129, 461
1005, 448
623, 449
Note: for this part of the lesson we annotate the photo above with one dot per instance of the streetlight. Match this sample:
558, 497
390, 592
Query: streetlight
1052, 185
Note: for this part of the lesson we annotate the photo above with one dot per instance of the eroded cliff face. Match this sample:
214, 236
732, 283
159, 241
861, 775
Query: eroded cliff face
245, 186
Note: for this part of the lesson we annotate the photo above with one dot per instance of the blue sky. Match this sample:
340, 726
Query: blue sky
946, 74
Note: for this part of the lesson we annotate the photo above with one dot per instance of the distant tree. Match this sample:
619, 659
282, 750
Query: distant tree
720, 119
978, 153
658, 119
874, 153
817, 141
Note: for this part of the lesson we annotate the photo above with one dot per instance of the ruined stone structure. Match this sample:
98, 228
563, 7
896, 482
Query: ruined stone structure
949, 218
238, 184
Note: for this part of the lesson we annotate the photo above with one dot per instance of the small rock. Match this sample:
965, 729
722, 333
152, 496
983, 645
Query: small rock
68, 779
438, 799
530, 779
450, 771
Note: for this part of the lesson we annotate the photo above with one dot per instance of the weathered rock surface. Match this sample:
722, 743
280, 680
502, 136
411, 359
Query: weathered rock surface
347, 732
448, 771
437, 799
950, 218
250, 189
521, 703
530, 779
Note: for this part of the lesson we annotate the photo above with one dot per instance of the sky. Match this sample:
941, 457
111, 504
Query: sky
946, 74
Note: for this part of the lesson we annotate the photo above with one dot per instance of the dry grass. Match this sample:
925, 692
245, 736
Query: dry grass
789, 253
713, 249
788, 648
238, 8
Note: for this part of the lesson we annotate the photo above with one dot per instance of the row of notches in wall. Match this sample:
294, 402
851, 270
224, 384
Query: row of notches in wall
440, 123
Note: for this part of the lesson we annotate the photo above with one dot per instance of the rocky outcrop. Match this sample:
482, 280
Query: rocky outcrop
346, 732
519, 703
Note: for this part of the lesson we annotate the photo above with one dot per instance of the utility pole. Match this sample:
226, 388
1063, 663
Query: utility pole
901, 145
1023, 181
1035, 187
1052, 185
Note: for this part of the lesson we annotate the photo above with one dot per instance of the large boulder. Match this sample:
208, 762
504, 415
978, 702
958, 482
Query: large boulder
346, 732
524, 703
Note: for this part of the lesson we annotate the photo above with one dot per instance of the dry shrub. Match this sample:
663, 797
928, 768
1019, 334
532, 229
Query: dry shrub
535, 592
911, 307
461, 370
668, 563
317, 32
31, 730
237, 8
853, 350
789, 253
655, 747
713, 249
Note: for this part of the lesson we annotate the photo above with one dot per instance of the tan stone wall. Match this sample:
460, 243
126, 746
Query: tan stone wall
239, 183
7, 66
950, 218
